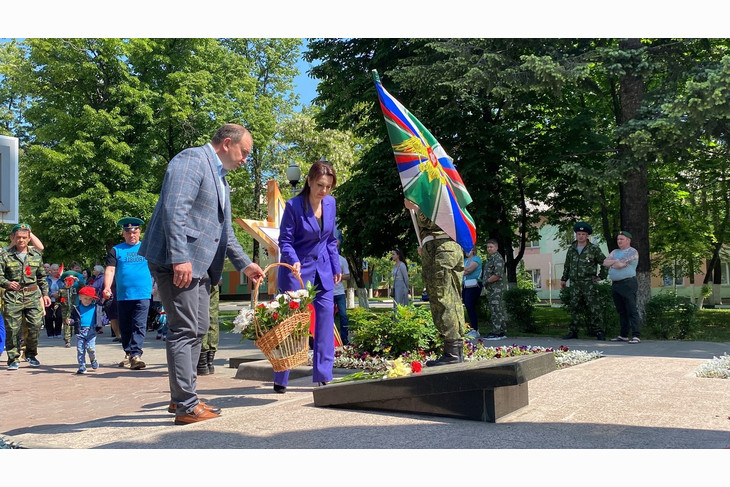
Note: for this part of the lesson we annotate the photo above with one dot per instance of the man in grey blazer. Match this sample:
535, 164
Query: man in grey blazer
187, 240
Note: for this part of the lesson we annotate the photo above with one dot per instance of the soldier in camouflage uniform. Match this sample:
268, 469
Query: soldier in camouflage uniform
583, 268
443, 268
68, 296
494, 281
212, 337
24, 279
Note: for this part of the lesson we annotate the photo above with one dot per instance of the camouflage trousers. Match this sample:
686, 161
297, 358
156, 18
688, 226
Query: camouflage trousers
23, 321
68, 331
210, 340
585, 310
443, 268
497, 310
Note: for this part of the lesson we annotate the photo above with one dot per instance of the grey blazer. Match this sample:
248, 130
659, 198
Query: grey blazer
189, 222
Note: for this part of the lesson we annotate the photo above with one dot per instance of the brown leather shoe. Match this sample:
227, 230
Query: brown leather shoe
172, 408
199, 414
135, 363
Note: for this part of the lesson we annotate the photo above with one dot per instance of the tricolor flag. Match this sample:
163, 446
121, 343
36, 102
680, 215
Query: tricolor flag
427, 173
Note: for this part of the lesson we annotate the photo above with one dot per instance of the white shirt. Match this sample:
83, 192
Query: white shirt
221, 175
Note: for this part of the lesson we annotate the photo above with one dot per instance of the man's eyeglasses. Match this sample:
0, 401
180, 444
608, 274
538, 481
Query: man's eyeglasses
133, 229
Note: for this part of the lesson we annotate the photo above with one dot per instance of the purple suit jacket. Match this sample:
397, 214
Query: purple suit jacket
301, 240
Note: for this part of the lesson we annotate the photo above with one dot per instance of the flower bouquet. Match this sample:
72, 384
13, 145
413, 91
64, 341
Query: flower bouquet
280, 326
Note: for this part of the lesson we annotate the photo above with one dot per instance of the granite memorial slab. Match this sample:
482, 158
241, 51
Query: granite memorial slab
483, 390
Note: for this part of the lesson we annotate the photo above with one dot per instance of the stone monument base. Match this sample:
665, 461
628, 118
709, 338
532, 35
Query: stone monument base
484, 390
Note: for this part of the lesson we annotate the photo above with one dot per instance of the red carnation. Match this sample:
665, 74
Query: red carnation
275, 316
293, 305
27, 270
415, 367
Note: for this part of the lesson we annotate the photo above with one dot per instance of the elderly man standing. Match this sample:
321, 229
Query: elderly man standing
188, 238
23, 277
127, 268
583, 268
622, 263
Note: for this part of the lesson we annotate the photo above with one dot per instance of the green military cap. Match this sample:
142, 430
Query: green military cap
625, 234
80, 281
130, 222
583, 227
20, 226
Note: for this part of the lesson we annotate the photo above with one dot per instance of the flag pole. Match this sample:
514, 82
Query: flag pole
415, 225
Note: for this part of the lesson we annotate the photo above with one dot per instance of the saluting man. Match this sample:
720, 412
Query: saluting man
23, 277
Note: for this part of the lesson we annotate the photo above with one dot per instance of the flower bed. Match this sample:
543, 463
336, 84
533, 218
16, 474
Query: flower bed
374, 367
717, 368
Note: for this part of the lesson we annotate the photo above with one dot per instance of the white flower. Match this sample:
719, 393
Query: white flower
298, 295
272, 306
243, 320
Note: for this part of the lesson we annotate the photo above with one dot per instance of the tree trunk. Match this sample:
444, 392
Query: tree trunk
356, 273
634, 192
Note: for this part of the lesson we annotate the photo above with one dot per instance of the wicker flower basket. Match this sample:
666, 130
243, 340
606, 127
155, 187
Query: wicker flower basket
286, 344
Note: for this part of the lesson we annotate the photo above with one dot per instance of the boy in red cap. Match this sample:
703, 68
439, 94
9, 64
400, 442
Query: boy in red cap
86, 322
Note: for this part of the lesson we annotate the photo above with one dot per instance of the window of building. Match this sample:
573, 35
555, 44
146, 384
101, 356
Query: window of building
535, 276
672, 276
724, 268
534, 244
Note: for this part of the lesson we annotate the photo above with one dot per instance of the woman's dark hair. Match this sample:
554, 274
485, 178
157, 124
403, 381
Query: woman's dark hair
319, 168
401, 256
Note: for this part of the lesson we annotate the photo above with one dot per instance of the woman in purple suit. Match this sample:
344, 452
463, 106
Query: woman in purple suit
308, 244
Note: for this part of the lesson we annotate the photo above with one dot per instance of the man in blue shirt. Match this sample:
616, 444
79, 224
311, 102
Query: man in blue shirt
621, 265
129, 271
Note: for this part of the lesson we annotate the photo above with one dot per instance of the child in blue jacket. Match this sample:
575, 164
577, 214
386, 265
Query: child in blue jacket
86, 322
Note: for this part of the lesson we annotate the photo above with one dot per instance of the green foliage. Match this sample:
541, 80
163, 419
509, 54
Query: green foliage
520, 304
524, 280
670, 317
390, 335
99, 119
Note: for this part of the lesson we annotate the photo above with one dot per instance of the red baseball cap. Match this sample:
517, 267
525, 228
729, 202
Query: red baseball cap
88, 291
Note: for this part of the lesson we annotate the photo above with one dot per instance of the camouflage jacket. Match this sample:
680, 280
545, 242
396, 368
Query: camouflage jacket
68, 297
584, 266
25, 273
494, 266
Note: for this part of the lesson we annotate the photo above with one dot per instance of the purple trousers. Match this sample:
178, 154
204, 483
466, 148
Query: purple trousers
324, 339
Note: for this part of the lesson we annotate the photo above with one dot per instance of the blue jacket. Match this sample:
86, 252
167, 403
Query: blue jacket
301, 240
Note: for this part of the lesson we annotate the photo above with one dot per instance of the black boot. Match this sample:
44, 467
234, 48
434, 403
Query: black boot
211, 356
453, 354
203, 364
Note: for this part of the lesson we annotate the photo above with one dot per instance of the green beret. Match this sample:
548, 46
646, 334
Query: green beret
625, 234
583, 227
129, 222
20, 226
